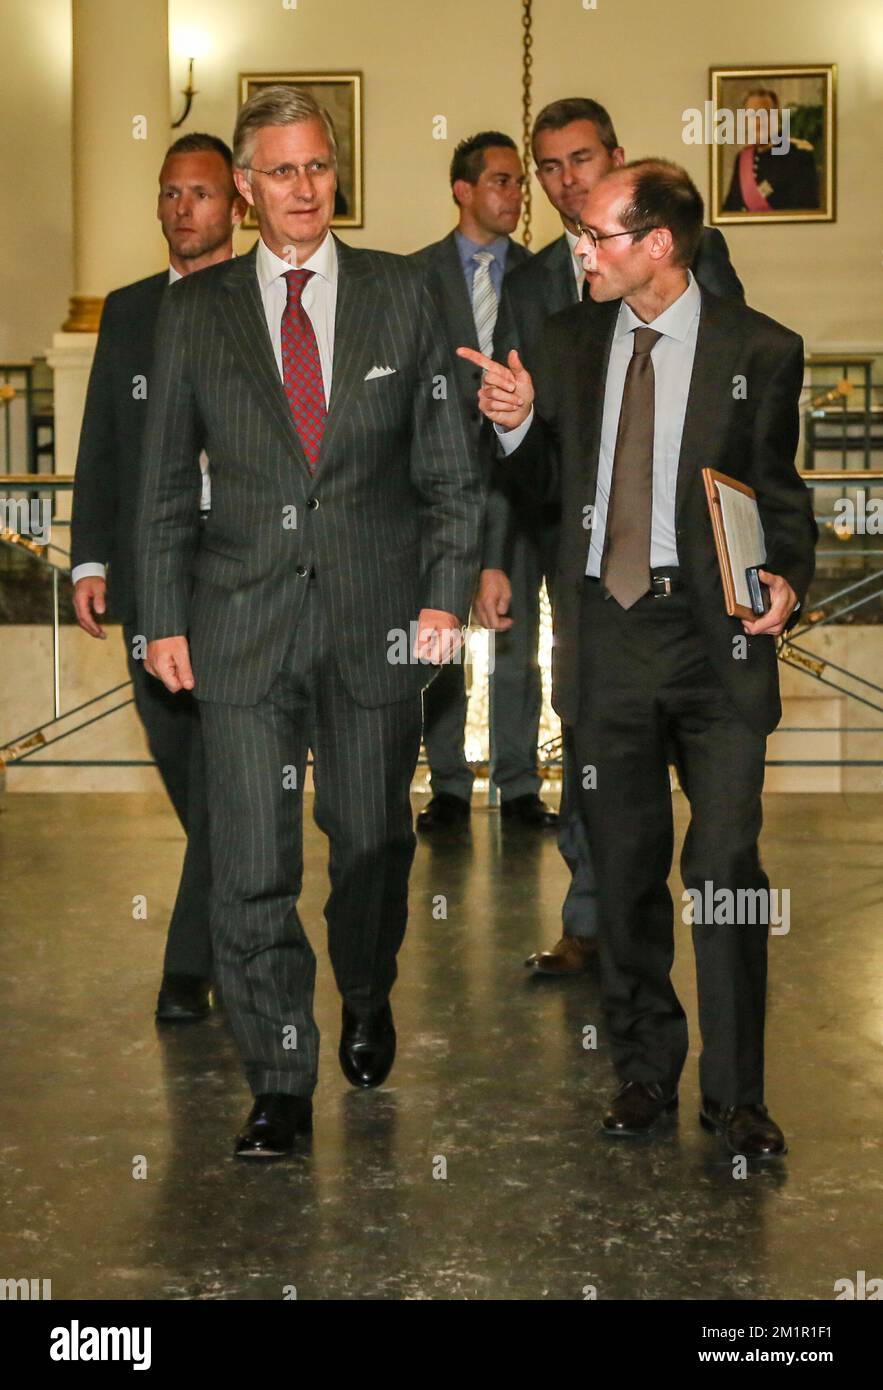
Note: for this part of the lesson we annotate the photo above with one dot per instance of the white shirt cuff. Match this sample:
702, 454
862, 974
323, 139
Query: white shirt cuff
89, 571
510, 439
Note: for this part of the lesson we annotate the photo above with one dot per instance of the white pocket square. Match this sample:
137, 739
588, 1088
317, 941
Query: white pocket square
375, 372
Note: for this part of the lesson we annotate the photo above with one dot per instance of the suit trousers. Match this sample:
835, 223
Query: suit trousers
516, 722
444, 730
579, 913
363, 763
174, 736
646, 687
515, 694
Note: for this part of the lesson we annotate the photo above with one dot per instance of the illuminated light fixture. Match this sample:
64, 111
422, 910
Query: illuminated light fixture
193, 44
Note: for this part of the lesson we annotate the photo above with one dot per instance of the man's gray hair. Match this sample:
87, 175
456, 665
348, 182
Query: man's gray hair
277, 106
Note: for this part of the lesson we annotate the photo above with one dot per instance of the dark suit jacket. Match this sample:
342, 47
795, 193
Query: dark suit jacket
391, 521
754, 439
448, 285
106, 481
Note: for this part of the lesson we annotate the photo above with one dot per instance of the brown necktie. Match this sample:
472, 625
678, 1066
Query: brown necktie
625, 567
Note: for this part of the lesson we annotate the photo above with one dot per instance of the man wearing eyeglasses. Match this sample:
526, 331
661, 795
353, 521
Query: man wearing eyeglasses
574, 145
624, 409
340, 556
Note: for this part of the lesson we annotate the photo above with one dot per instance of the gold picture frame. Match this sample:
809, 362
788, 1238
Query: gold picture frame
796, 184
341, 95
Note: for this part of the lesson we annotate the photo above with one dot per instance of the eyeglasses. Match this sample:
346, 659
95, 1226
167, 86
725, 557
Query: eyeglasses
289, 173
593, 239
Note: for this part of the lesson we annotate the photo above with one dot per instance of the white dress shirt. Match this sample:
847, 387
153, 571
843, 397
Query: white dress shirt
673, 357
576, 262
319, 300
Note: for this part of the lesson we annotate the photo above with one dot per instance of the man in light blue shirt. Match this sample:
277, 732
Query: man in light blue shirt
467, 269
634, 398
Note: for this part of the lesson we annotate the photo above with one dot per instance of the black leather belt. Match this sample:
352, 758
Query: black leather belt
665, 581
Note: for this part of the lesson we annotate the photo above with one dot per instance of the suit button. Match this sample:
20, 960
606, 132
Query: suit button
301, 571
312, 503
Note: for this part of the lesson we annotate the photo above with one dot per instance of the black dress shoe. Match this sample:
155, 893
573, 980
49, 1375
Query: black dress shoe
272, 1126
444, 810
747, 1129
367, 1047
637, 1107
183, 999
529, 810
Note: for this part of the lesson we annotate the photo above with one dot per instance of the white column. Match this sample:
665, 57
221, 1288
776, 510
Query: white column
121, 129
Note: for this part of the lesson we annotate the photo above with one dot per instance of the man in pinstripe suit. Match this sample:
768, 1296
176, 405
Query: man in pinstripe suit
347, 510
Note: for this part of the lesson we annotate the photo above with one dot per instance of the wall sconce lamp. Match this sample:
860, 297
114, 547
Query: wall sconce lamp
188, 93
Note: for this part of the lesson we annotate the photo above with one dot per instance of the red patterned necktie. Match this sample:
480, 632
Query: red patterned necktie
302, 369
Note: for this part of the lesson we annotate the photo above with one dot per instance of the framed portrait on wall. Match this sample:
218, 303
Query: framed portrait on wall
772, 136
341, 95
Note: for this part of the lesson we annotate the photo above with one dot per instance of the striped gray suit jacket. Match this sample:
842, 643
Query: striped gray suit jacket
391, 521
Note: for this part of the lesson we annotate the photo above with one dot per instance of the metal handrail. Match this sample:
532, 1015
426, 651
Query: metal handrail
813, 477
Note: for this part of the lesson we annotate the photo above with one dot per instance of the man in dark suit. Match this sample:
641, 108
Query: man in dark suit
342, 545
575, 145
466, 272
631, 404
198, 208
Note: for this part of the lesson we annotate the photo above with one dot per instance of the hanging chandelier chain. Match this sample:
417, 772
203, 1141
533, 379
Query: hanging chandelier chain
527, 64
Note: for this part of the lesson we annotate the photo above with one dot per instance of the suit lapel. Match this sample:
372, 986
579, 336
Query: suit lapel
455, 296
358, 305
710, 400
245, 325
560, 268
588, 365
516, 255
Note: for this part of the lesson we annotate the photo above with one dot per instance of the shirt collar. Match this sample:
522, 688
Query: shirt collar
323, 263
572, 240
498, 248
576, 261
674, 322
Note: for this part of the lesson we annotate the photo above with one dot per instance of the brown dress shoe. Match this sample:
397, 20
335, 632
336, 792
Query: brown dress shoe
637, 1107
572, 955
746, 1129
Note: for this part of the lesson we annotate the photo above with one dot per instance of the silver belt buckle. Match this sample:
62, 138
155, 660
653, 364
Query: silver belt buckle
664, 579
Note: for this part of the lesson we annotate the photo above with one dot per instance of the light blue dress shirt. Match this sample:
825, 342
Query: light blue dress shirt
499, 249
673, 357
673, 369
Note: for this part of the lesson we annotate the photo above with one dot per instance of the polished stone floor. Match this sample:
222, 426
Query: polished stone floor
492, 1086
